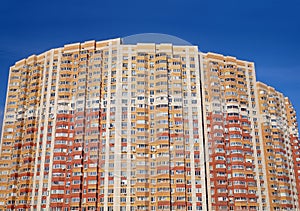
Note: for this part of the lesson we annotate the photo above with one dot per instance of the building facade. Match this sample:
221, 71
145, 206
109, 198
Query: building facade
110, 125
280, 147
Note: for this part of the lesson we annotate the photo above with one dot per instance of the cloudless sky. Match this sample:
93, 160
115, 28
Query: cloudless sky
264, 31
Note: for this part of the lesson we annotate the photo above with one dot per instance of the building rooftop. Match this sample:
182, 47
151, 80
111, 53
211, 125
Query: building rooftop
154, 38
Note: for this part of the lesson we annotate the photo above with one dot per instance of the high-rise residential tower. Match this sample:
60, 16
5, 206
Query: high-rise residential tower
230, 108
139, 124
278, 144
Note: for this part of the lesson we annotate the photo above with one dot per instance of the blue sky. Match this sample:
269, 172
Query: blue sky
266, 32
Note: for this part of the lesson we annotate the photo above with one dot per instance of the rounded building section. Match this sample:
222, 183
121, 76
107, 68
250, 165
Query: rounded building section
103, 126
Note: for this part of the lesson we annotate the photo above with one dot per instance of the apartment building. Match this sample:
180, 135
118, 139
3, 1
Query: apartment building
116, 125
279, 145
230, 107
